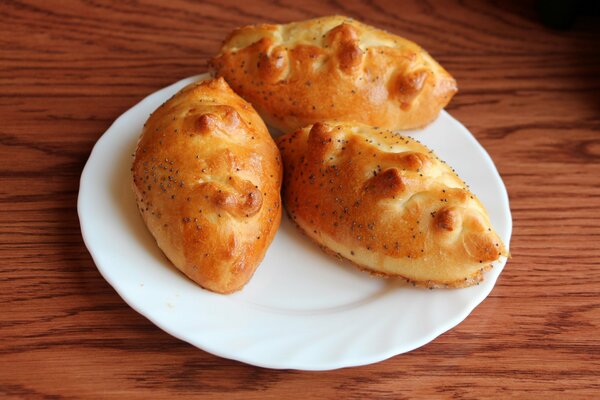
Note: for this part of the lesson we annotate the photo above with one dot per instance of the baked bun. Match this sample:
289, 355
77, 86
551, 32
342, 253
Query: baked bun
333, 68
207, 178
386, 203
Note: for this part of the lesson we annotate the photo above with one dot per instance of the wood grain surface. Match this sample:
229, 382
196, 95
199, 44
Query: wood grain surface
529, 94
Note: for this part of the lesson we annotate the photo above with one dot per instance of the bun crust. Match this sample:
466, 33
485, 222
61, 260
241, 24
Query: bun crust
333, 68
207, 178
386, 203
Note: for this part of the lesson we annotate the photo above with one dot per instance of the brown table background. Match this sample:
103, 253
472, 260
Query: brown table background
529, 94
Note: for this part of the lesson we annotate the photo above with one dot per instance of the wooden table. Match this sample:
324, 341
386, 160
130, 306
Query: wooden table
530, 95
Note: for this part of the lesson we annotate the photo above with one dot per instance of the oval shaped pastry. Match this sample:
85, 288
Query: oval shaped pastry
207, 179
333, 68
386, 203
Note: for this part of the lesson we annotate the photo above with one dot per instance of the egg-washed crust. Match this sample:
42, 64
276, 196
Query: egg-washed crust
207, 178
333, 68
387, 204
475, 279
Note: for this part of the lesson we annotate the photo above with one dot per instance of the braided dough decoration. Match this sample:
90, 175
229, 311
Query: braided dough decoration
386, 203
333, 68
207, 178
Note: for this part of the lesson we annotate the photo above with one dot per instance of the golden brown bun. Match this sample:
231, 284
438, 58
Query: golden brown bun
386, 203
333, 68
207, 178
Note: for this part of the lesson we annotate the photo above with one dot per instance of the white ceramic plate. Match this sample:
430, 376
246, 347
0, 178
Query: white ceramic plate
302, 309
